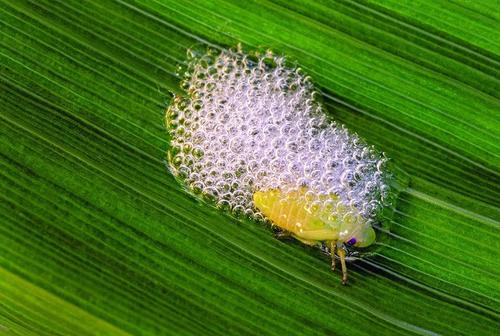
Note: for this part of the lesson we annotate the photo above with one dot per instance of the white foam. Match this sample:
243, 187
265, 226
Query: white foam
250, 123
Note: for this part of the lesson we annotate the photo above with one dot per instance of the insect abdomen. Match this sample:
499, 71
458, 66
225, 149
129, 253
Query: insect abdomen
291, 213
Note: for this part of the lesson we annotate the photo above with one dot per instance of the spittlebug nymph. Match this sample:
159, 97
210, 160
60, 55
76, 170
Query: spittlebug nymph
251, 135
337, 225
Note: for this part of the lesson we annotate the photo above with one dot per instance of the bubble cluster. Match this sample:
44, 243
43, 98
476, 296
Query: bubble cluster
251, 123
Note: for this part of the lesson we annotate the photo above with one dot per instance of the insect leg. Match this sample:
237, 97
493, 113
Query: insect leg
333, 252
281, 234
341, 253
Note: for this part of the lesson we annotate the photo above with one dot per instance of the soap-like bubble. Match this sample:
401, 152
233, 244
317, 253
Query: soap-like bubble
250, 123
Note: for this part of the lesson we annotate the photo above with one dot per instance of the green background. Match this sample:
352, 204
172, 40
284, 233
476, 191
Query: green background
97, 238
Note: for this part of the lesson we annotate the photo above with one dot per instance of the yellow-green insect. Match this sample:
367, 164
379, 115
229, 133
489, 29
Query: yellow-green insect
336, 226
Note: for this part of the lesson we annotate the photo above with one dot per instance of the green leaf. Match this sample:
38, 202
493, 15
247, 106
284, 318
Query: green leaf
97, 238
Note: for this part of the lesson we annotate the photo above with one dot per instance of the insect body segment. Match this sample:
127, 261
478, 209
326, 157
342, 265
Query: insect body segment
289, 212
296, 213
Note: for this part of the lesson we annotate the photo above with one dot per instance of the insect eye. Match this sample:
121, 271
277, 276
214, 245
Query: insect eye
351, 241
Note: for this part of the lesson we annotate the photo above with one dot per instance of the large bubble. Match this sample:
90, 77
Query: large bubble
250, 123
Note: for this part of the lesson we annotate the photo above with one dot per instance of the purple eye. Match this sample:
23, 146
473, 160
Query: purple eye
351, 241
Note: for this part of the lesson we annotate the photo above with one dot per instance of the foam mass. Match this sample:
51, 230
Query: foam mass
250, 123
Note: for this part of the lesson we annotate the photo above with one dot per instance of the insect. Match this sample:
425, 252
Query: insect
336, 226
